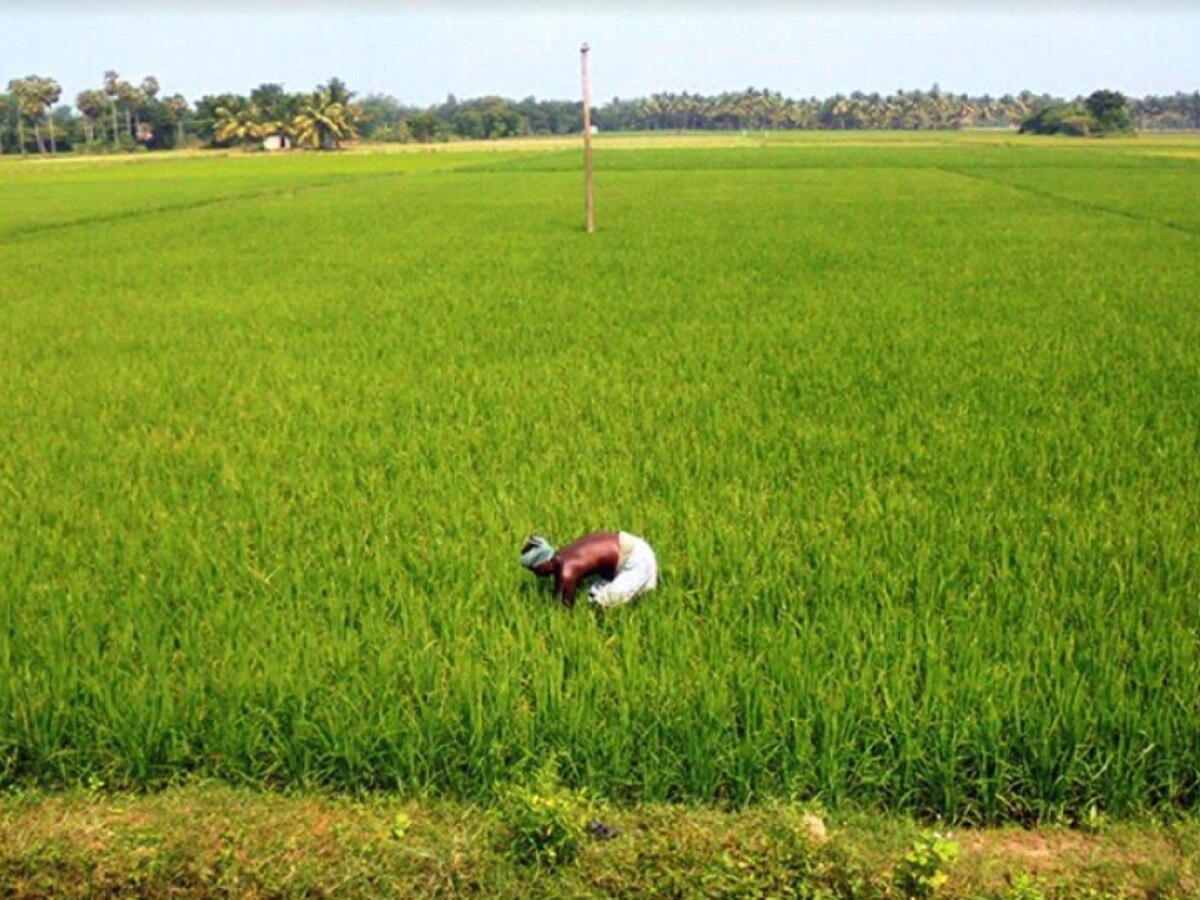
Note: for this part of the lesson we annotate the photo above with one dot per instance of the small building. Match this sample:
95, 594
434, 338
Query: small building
277, 142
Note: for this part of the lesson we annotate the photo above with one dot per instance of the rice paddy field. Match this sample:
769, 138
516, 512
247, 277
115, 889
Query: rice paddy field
913, 426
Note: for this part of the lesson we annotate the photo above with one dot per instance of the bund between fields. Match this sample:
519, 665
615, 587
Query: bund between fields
212, 840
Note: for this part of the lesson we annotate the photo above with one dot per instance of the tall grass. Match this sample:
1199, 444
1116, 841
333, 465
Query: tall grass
918, 448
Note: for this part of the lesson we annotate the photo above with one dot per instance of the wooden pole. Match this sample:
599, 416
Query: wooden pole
587, 138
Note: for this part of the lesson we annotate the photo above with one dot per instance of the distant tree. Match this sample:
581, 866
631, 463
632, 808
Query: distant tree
145, 106
322, 122
1060, 118
468, 123
1104, 112
48, 92
67, 128
426, 126
382, 118
274, 102
240, 124
1110, 109
177, 108
131, 99
115, 90
337, 91
34, 97
91, 104
331, 115
18, 90
204, 114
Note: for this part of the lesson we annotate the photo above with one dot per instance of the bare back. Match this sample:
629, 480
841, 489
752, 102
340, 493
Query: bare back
593, 554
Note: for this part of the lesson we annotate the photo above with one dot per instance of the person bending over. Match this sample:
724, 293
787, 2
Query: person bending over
621, 565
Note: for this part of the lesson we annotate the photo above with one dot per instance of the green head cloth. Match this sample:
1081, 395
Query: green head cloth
536, 551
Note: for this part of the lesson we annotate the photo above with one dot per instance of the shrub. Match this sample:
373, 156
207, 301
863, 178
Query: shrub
1061, 119
925, 867
1104, 112
543, 823
1110, 110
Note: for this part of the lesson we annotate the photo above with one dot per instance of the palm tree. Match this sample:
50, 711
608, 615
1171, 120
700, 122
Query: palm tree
964, 116
19, 88
47, 92
34, 96
131, 97
238, 124
177, 106
654, 110
91, 104
143, 95
337, 91
322, 122
113, 90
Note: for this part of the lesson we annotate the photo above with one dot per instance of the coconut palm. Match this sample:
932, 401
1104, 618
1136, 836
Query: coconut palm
322, 122
241, 124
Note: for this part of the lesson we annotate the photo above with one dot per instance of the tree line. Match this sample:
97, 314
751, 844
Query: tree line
121, 115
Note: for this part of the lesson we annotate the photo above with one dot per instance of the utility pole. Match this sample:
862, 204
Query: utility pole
587, 137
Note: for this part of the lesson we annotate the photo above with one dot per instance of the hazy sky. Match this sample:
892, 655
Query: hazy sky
420, 51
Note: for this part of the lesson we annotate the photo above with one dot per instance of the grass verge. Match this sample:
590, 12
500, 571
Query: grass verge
211, 839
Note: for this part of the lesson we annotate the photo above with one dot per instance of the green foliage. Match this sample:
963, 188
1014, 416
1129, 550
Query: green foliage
169, 122
782, 862
1023, 887
1110, 110
400, 825
323, 120
926, 867
1064, 118
1093, 820
1104, 112
543, 823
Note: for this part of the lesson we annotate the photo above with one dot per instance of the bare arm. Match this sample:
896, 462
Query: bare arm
592, 554
565, 582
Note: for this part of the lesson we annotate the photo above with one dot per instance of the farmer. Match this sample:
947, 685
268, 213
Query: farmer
622, 565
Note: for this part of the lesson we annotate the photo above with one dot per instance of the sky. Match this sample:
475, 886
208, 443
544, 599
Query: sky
419, 51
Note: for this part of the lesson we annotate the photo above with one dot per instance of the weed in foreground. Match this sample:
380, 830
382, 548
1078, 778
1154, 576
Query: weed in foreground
543, 823
926, 867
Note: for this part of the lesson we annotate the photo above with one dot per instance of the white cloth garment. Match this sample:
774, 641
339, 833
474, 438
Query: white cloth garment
637, 573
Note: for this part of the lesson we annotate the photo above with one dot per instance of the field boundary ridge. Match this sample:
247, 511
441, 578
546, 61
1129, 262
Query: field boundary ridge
209, 839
